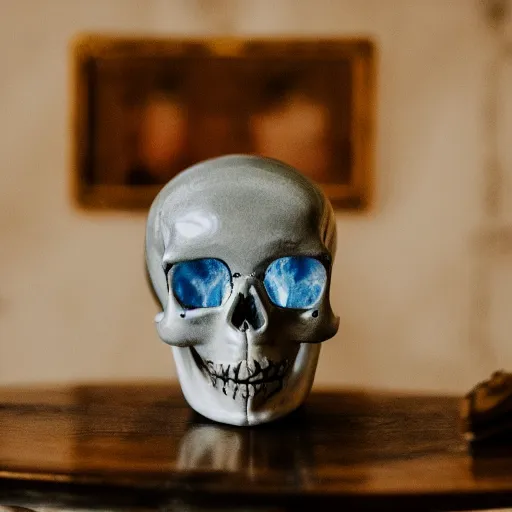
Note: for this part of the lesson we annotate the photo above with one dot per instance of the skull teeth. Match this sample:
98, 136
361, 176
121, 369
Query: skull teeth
234, 389
247, 373
265, 363
243, 373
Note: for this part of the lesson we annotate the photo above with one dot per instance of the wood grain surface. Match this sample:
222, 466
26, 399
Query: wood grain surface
140, 445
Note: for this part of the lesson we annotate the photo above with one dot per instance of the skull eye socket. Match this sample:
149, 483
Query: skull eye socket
204, 283
295, 282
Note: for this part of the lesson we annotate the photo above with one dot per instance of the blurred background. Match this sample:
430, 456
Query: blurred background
160, 105
422, 281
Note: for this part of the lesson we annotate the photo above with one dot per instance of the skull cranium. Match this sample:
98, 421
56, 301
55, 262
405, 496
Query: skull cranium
239, 251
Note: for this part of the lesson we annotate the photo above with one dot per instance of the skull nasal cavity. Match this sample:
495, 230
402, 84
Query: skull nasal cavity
246, 314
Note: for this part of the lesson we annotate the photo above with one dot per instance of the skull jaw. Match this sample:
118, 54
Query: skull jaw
211, 402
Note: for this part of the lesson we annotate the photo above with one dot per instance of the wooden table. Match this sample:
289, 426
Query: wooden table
140, 447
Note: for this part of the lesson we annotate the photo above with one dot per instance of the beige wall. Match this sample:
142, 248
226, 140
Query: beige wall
74, 304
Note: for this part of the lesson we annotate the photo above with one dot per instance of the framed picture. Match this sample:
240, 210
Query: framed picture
145, 109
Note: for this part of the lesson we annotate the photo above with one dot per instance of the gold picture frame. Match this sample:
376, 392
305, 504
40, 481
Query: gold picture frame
146, 108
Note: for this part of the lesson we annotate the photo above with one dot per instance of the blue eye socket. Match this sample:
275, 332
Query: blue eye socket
202, 283
295, 282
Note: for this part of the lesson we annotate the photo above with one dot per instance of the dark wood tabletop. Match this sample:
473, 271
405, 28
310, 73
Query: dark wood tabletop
139, 446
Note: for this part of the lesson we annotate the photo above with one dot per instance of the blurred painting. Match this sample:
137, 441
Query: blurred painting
147, 109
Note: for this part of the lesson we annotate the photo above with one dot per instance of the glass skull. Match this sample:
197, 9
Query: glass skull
239, 251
